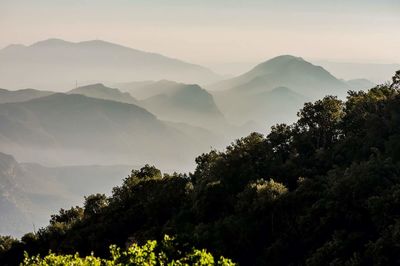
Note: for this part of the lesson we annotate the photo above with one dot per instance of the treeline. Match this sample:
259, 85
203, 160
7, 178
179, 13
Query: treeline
322, 191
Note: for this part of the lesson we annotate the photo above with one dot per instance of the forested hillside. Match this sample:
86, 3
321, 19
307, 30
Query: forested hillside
322, 191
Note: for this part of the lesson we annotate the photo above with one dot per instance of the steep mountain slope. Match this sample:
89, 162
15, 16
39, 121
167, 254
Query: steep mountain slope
12, 200
30, 193
62, 63
75, 129
102, 92
7, 96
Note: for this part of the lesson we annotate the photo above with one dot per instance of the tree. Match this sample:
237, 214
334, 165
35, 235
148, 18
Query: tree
94, 204
67, 217
318, 123
6, 243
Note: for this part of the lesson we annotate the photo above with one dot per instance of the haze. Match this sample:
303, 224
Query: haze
227, 36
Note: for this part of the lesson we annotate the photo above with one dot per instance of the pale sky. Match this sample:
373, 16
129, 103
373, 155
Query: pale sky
212, 32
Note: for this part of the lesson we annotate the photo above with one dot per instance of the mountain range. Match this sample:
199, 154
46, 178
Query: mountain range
75, 129
284, 71
57, 64
172, 101
274, 90
100, 91
7, 96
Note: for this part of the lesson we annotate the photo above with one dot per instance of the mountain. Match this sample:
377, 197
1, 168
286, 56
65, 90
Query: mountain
7, 96
30, 193
12, 200
266, 108
285, 71
65, 129
142, 89
55, 63
376, 72
273, 90
102, 92
360, 84
178, 102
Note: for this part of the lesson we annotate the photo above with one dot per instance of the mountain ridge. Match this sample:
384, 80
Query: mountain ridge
98, 90
63, 62
77, 129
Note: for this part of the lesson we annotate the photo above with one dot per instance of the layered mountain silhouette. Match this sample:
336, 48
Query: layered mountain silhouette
274, 90
56, 64
178, 102
75, 129
7, 96
102, 92
360, 84
285, 71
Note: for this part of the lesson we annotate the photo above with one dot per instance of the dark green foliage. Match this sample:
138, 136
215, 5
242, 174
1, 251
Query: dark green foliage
6, 243
323, 191
94, 204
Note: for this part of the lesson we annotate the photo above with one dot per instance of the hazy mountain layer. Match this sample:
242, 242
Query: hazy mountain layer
57, 64
30, 193
285, 71
360, 84
378, 73
75, 129
188, 103
266, 108
273, 91
7, 96
102, 92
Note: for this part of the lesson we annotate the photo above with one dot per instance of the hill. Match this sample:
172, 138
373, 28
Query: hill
360, 84
273, 90
285, 71
13, 203
102, 92
63, 63
7, 96
376, 72
178, 102
74, 129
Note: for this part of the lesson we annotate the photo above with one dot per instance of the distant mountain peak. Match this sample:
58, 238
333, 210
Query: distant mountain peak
288, 71
92, 60
93, 86
281, 61
286, 57
100, 91
50, 42
13, 47
281, 89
